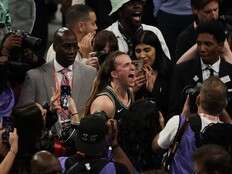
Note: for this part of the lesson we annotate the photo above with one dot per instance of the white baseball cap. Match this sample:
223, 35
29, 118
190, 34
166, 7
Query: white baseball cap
117, 4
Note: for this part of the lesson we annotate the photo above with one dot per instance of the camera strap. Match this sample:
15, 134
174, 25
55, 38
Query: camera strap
168, 158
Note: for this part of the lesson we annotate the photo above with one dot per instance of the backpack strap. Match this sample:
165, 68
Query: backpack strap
195, 124
167, 160
72, 167
179, 134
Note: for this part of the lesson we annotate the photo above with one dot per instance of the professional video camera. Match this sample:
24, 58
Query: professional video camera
191, 91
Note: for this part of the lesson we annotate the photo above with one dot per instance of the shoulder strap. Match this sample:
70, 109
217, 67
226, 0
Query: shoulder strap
168, 158
195, 123
180, 131
72, 167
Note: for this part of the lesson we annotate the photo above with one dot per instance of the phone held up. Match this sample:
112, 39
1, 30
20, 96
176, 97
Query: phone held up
7, 125
64, 94
138, 65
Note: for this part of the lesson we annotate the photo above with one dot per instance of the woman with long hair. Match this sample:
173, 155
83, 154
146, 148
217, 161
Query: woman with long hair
153, 80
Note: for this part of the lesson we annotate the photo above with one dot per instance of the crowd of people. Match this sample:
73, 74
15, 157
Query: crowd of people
123, 88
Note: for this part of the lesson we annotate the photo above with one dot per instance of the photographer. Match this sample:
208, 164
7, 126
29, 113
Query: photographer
10, 154
211, 103
21, 48
20, 55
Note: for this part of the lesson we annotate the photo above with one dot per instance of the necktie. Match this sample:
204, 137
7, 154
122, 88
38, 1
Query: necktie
211, 71
65, 79
65, 92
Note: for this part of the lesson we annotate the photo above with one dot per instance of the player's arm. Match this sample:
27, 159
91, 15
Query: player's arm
103, 103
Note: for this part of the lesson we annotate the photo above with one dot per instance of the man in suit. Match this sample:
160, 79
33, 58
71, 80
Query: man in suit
210, 41
40, 83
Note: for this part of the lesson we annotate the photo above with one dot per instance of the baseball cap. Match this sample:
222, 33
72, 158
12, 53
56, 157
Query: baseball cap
117, 4
91, 136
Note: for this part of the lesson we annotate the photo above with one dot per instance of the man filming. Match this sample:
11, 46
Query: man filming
211, 103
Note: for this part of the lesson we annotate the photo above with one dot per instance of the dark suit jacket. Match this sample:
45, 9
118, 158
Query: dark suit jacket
40, 83
190, 73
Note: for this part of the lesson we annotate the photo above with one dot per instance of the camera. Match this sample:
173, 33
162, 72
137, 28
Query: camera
64, 94
28, 40
192, 92
7, 124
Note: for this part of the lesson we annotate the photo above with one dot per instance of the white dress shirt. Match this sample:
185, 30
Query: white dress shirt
205, 71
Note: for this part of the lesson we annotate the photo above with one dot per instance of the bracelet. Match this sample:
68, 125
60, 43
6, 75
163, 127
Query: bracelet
12, 151
114, 146
74, 114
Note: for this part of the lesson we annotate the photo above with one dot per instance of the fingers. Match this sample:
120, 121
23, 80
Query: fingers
13, 137
148, 69
85, 44
55, 102
72, 105
161, 120
12, 40
93, 61
56, 94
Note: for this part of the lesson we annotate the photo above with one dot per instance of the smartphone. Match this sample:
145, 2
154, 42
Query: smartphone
7, 124
138, 65
64, 94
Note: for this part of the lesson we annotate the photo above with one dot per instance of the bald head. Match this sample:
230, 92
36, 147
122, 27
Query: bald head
44, 162
65, 46
59, 34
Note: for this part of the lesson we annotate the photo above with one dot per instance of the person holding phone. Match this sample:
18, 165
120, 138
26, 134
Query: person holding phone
152, 80
63, 76
9, 153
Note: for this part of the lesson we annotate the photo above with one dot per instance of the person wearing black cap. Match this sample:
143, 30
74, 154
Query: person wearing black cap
96, 145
